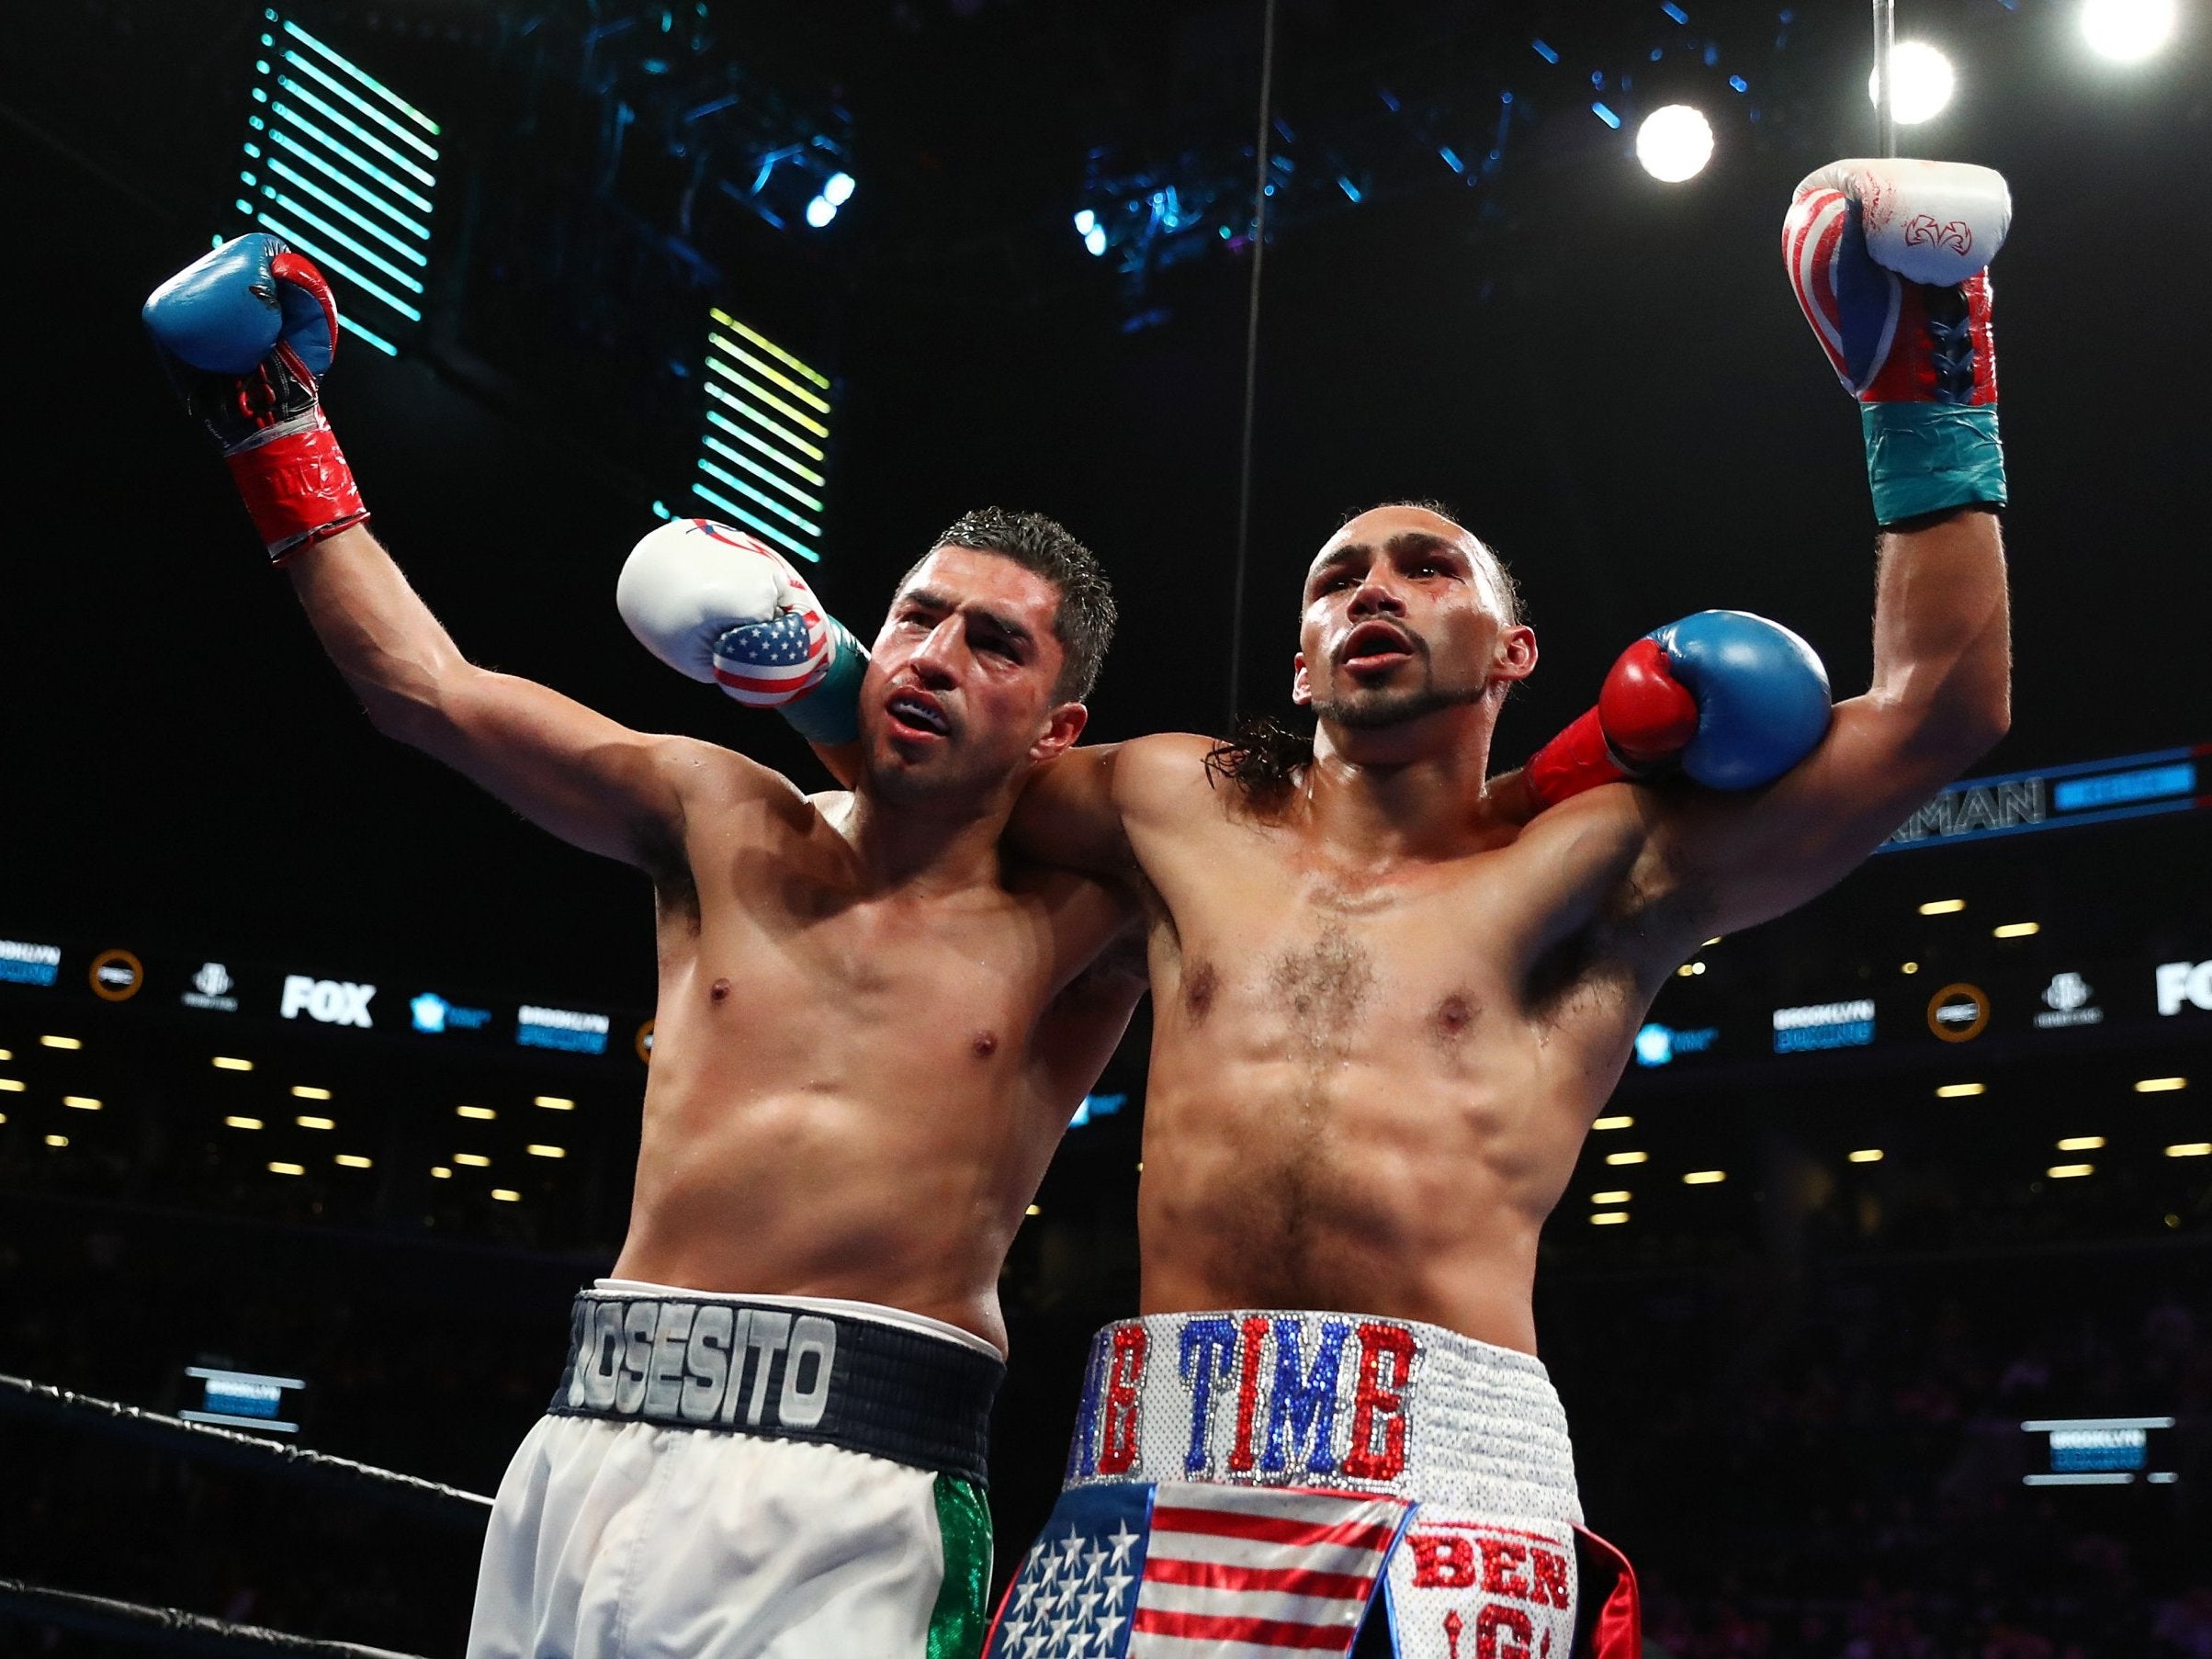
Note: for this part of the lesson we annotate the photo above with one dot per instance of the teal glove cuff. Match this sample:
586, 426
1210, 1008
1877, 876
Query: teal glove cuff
1923, 457
829, 714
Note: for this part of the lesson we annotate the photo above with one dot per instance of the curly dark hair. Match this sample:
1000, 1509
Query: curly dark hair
1263, 758
1084, 622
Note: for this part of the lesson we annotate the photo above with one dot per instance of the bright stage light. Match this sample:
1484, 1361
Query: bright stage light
1674, 143
2127, 30
839, 190
820, 212
1924, 82
1095, 240
1086, 223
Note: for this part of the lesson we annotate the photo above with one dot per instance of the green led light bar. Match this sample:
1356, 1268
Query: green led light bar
346, 170
767, 419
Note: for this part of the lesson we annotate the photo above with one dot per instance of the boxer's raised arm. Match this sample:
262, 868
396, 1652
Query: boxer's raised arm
1940, 698
1903, 314
593, 782
245, 332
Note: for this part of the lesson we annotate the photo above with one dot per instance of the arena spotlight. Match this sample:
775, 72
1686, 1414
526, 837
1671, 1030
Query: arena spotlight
1095, 240
1924, 82
2127, 32
837, 190
1086, 223
820, 212
1674, 143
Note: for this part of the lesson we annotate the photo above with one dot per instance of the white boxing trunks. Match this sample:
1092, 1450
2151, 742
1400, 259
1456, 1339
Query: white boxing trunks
1244, 1484
746, 1477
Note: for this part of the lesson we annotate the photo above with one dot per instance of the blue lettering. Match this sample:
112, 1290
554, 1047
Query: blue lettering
1083, 1453
1306, 1402
1208, 1357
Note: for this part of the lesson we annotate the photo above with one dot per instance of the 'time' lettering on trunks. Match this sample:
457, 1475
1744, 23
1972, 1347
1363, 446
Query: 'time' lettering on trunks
1290, 1395
692, 1361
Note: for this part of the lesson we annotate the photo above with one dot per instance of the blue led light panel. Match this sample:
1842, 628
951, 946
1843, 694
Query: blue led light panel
346, 170
767, 448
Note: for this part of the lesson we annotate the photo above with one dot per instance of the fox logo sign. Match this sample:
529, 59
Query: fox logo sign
332, 1001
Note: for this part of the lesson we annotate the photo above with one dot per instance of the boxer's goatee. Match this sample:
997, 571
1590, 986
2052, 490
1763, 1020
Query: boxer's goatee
1396, 708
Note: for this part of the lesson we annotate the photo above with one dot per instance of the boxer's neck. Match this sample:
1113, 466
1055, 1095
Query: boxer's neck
937, 847
1413, 790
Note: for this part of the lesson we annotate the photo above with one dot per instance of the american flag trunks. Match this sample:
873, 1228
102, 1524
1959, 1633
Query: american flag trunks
1250, 1483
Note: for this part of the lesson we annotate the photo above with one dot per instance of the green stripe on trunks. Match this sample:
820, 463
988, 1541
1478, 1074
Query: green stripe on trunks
956, 1622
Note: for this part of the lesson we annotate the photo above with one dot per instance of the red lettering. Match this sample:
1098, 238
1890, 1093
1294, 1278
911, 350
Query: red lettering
1382, 1347
1117, 1436
1514, 1624
1247, 1394
1502, 1561
1551, 1576
1441, 1561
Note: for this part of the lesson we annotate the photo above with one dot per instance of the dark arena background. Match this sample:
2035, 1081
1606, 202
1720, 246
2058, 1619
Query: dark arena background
1879, 1303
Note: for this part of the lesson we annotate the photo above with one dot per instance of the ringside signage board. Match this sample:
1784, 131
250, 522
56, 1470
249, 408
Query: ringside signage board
1937, 1011
2086, 791
217, 990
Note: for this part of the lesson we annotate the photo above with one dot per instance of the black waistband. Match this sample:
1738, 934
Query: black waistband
788, 1373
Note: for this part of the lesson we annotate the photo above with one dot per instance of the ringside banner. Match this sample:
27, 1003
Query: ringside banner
213, 989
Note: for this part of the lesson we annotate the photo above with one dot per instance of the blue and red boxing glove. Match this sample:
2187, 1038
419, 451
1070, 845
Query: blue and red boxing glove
1731, 699
1890, 261
245, 333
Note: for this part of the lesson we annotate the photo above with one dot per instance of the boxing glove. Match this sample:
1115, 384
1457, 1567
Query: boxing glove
1890, 261
245, 333
1733, 700
719, 606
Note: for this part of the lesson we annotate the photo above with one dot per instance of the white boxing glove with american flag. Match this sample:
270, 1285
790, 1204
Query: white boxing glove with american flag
718, 605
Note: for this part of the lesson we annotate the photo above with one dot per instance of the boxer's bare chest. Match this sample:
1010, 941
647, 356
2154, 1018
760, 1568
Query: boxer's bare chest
1294, 946
786, 932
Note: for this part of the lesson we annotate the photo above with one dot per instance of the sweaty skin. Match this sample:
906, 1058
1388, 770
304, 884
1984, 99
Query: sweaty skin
872, 1024
1387, 1011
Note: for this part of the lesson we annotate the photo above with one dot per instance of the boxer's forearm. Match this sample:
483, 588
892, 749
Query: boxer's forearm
1942, 635
396, 657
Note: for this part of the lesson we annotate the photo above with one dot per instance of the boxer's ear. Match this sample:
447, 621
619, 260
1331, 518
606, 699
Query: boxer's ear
1302, 690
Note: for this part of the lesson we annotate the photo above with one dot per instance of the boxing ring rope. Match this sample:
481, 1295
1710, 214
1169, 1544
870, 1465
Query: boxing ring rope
23, 1397
172, 1628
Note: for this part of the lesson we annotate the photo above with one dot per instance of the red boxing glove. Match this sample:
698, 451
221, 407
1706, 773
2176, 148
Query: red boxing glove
1643, 719
245, 333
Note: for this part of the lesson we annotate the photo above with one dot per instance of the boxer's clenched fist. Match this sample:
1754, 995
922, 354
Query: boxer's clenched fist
719, 606
1890, 261
245, 333
1732, 698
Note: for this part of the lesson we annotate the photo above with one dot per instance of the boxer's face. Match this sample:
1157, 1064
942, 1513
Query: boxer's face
1403, 615
960, 693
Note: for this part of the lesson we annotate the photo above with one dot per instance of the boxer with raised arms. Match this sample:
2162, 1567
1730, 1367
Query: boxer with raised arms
872, 1027
1387, 1014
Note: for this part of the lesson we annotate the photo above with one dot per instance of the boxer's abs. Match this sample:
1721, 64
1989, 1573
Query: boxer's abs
1397, 1157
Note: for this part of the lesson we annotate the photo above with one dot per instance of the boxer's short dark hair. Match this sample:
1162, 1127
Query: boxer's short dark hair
1084, 622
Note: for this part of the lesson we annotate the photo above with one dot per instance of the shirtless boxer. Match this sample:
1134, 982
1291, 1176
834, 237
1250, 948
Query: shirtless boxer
872, 1030
1385, 1019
